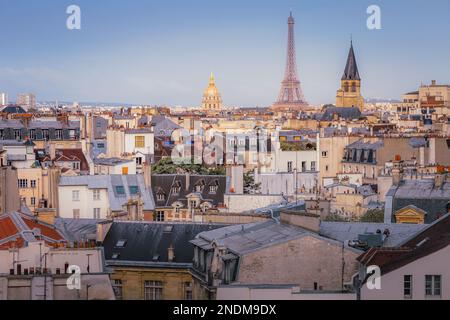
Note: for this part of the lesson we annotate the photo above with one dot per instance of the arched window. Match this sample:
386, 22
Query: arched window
346, 86
353, 87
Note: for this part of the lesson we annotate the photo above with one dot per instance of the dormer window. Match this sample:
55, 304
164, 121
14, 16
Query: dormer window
200, 186
214, 187
160, 197
176, 188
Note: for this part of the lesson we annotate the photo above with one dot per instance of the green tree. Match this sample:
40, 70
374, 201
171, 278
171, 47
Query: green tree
334, 217
166, 166
373, 215
250, 187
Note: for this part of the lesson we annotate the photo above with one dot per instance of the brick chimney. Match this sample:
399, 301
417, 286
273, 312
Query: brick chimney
397, 171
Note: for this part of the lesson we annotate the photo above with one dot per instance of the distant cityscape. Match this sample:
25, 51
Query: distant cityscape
348, 200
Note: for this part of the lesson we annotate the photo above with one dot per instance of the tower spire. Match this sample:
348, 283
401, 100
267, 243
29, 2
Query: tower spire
291, 95
351, 68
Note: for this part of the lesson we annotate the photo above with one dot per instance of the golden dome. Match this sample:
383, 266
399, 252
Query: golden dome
211, 96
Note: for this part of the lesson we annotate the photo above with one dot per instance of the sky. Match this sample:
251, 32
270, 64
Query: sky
159, 52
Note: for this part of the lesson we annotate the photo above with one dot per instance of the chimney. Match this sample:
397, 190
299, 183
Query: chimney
440, 178
301, 219
170, 254
397, 171
235, 177
188, 180
147, 170
103, 229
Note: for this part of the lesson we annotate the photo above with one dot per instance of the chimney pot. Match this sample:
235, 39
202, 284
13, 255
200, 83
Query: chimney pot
171, 253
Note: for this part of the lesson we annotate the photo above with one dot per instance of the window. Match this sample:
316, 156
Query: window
97, 213
139, 142
153, 290
115, 255
407, 286
324, 154
120, 190
33, 184
313, 166
139, 161
58, 134
303, 166
76, 213
160, 216
160, 197
432, 285
134, 190
213, 189
96, 194
289, 166
75, 165
75, 195
23, 183
177, 209
33, 201
117, 288
187, 291
121, 243
176, 189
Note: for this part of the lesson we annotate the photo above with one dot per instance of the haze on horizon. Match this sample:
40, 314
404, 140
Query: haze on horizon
162, 52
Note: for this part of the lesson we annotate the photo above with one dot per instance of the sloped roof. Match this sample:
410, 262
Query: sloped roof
348, 113
351, 68
345, 231
149, 242
19, 228
164, 182
72, 155
430, 240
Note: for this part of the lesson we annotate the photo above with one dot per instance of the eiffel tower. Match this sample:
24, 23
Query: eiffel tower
291, 96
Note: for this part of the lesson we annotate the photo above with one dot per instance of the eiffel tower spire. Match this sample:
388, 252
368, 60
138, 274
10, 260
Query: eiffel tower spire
291, 95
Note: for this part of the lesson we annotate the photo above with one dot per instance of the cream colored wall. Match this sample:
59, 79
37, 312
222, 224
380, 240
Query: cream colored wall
28, 193
392, 283
86, 203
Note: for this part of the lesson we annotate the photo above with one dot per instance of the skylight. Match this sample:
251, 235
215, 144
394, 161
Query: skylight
120, 190
134, 190
121, 243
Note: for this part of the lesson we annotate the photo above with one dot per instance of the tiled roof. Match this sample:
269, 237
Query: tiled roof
72, 155
19, 228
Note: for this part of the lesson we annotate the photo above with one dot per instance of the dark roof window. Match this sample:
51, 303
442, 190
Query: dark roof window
121, 243
115, 256
168, 229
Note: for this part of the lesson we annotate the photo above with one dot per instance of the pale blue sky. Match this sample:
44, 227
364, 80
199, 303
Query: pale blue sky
162, 51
